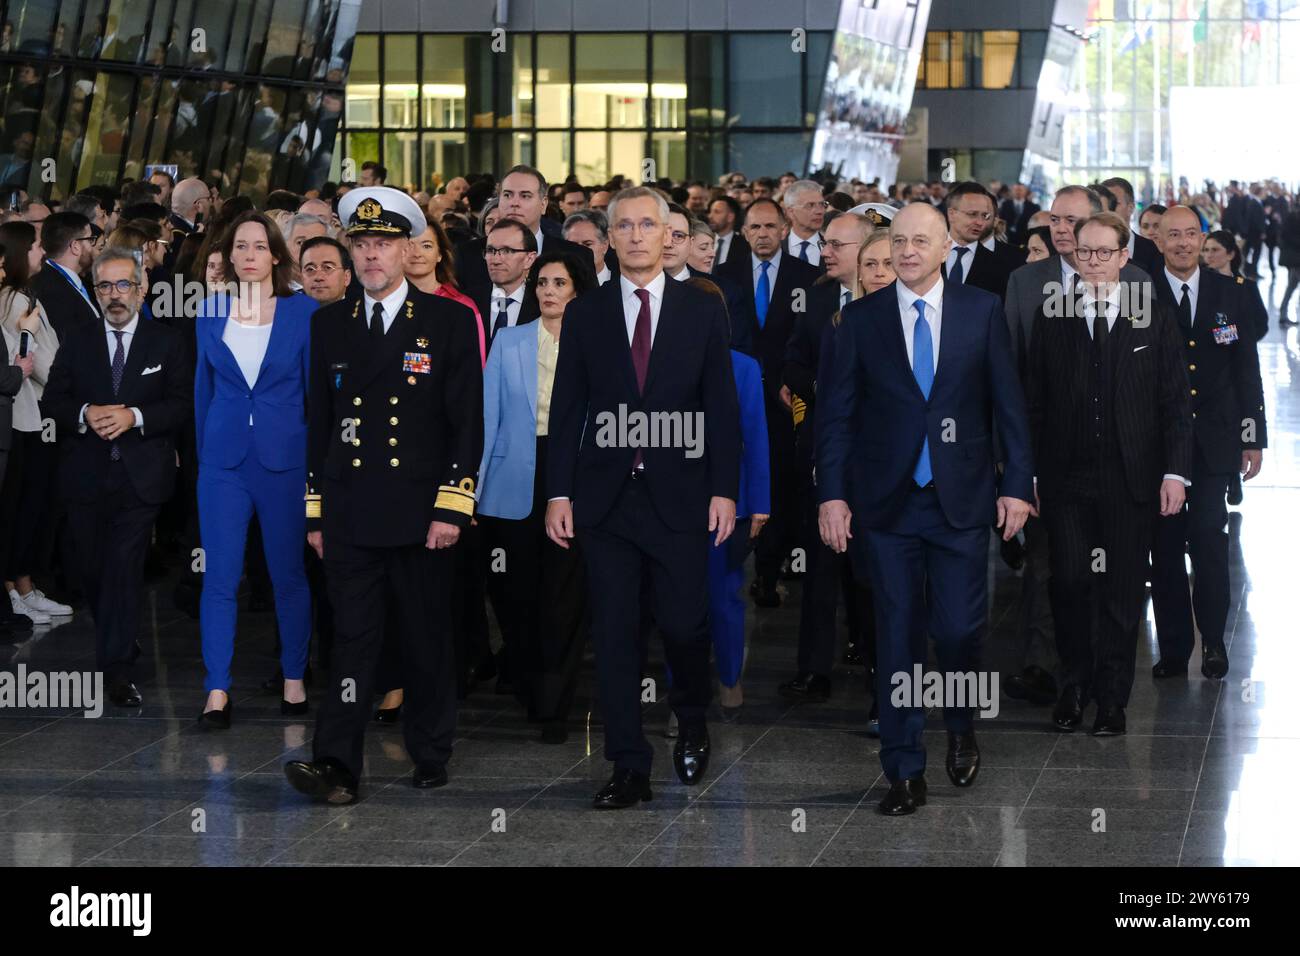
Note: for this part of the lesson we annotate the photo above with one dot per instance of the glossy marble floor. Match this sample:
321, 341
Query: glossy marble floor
1204, 777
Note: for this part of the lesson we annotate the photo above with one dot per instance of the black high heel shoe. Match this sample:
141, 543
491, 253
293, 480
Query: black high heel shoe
288, 709
388, 715
216, 719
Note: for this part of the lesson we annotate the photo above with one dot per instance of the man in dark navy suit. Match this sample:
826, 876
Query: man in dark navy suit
923, 374
645, 345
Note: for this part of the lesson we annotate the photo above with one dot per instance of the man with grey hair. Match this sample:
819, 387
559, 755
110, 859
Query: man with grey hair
589, 228
117, 429
190, 201
88, 206
805, 205
301, 228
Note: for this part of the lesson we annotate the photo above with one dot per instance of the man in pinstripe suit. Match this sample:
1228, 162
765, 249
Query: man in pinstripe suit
1110, 418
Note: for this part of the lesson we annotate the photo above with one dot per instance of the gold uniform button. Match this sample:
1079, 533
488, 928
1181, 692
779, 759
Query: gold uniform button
393, 420
393, 461
1192, 343
1193, 391
411, 380
392, 399
356, 462
392, 441
356, 441
1191, 368
356, 421
357, 400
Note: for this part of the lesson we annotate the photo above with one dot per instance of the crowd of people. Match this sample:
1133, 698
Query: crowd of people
390, 409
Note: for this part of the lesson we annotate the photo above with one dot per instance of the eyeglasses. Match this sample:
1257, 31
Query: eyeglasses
493, 252
123, 286
84, 239
677, 236
814, 205
625, 227
326, 268
836, 245
1103, 255
981, 216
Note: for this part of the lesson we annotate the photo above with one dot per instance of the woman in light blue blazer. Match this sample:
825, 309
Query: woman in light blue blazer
250, 388
538, 588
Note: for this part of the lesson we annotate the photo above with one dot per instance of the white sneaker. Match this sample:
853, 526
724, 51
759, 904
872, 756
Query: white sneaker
37, 601
22, 607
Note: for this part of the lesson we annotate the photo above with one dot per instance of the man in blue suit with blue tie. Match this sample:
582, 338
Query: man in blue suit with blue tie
923, 374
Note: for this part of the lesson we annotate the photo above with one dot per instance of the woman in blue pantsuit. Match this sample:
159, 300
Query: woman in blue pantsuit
727, 563
250, 390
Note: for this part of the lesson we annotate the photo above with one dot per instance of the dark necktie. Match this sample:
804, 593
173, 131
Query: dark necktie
641, 351
1185, 309
503, 317
845, 298
1100, 330
763, 295
119, 366
377, 323
803, 250
958, 273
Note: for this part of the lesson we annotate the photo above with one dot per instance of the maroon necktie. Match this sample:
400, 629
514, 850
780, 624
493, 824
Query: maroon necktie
641, 352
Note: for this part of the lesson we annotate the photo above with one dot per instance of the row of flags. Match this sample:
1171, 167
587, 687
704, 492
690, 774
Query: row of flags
1191, 19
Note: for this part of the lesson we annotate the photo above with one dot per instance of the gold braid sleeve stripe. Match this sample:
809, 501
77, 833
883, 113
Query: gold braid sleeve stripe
453, 499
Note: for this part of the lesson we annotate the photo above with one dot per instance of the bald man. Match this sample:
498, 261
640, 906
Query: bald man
905, 464
191, 200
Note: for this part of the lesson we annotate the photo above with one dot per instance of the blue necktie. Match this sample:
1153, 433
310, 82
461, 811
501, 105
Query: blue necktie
803, 250
923, 369
763, 295
958, 274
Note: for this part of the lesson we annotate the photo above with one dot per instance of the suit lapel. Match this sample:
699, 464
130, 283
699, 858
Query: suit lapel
952, 335
893, 332
619, 348
664, 346
528, 370
135, 359
1202, 318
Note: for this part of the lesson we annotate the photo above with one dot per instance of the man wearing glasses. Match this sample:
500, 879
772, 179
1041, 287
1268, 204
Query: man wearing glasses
973, 260
1111, 426
805, 207
509, 252
69, 245
326, 269
120, 391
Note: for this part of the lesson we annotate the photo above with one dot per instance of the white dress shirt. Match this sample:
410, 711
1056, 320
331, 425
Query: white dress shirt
392, 304
604, 275
794, 243
1193, 283
539, 236
724, 243
1068, 272
684, 274
514, 304
844, 290
128, 334
933, 316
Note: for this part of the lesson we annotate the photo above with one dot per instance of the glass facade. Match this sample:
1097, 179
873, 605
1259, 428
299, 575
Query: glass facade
1154, 71
685, 105
246, 92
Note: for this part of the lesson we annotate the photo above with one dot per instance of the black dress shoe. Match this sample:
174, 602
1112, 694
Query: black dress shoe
963, 763
554, 732
18, 623
288, 709
1214, 661
691, 754
626, 788
852, 656
216, 719
276, 681
1068, 714
326, 780
1109, 722
904, 797
388, 715
1234, 490
1034, 685
123, 693
812, 687
429, 775
765, 593
1163, 668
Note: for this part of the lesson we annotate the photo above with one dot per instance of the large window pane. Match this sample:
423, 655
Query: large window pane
402, 158
361, 148
762, 153
444, 156
552, 156
145, 107
765, 80
597, 157
284, 37
519, 84
401, 90
443, 92
553, 76
706, 90
998, 59
707, 156
668, 82
480, 65
363, 82
610, 87
815, 61
668, 150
